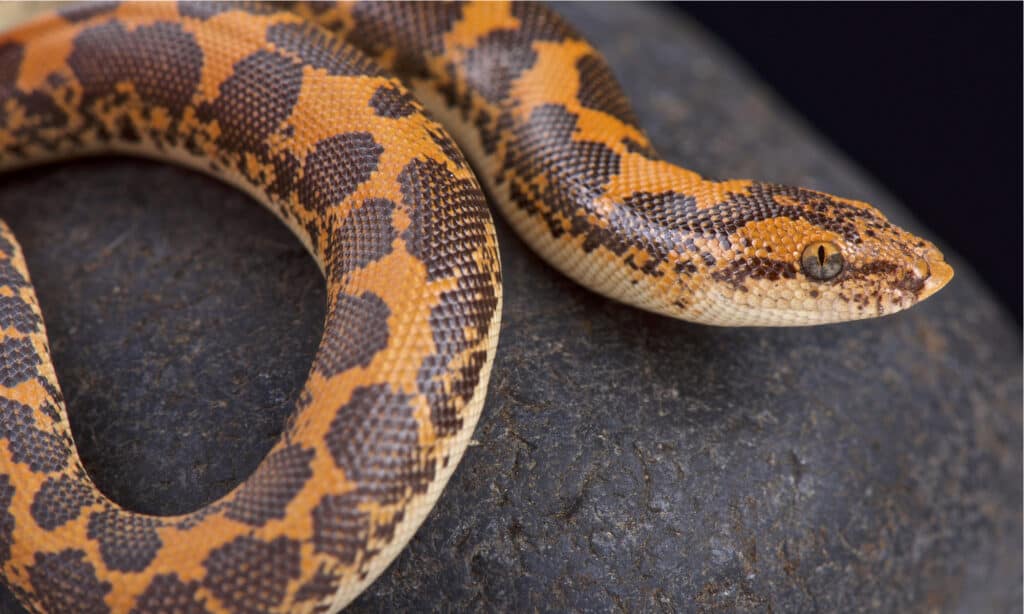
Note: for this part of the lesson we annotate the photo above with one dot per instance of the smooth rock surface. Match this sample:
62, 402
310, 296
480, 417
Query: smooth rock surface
624, 461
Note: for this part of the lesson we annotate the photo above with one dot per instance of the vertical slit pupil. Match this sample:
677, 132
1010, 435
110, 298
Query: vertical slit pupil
821, 255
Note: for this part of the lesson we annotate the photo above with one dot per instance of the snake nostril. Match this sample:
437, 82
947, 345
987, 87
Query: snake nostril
921, 268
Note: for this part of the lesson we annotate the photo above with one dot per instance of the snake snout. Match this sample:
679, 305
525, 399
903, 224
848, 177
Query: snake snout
937, 272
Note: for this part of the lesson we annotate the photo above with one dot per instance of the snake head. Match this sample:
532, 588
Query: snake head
813, 258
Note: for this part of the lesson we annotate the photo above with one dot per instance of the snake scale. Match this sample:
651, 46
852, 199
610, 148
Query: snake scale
278, 101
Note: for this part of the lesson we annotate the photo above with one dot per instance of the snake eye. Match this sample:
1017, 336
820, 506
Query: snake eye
821, 260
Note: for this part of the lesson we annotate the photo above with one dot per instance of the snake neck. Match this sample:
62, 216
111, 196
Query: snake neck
557, 158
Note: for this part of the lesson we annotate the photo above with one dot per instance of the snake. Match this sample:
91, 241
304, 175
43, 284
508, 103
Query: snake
338, 118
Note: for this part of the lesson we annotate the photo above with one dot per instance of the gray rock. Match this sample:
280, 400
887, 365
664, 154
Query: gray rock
624, 461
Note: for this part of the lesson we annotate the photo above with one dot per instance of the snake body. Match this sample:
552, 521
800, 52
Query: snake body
273, 102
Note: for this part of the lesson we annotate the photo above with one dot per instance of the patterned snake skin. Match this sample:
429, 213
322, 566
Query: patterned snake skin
382, 197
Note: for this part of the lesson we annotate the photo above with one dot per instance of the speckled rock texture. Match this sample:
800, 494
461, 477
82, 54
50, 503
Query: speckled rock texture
624, 461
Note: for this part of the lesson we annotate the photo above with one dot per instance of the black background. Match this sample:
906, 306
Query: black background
925, 97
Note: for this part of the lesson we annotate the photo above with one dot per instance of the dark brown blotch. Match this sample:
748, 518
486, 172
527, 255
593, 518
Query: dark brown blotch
448, 147
320, 49
127, 131
450, 241
374, 439
489, 136
737, 271
252, 575
43, 114
539, 22
66, 581
254, 101
322, 585
10, 277
16, 313
366, 235
497, 60
545, 164
7, 520
198, 516
162, 61
11, 55
336, 168
41, 451
638, 223
167, 594
445, 238
6, 248
393, 102
469, 307
128, 542
767, 200
356, 330
413, 29
910, 284
545, 145
55, 396
47, 408
340, 529
385, 530
599, 90
286, 174
266, 494
644, 149
60, 500
686, 267
893, 274
14, 417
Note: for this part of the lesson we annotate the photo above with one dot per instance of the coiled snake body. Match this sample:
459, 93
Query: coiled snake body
382, 197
